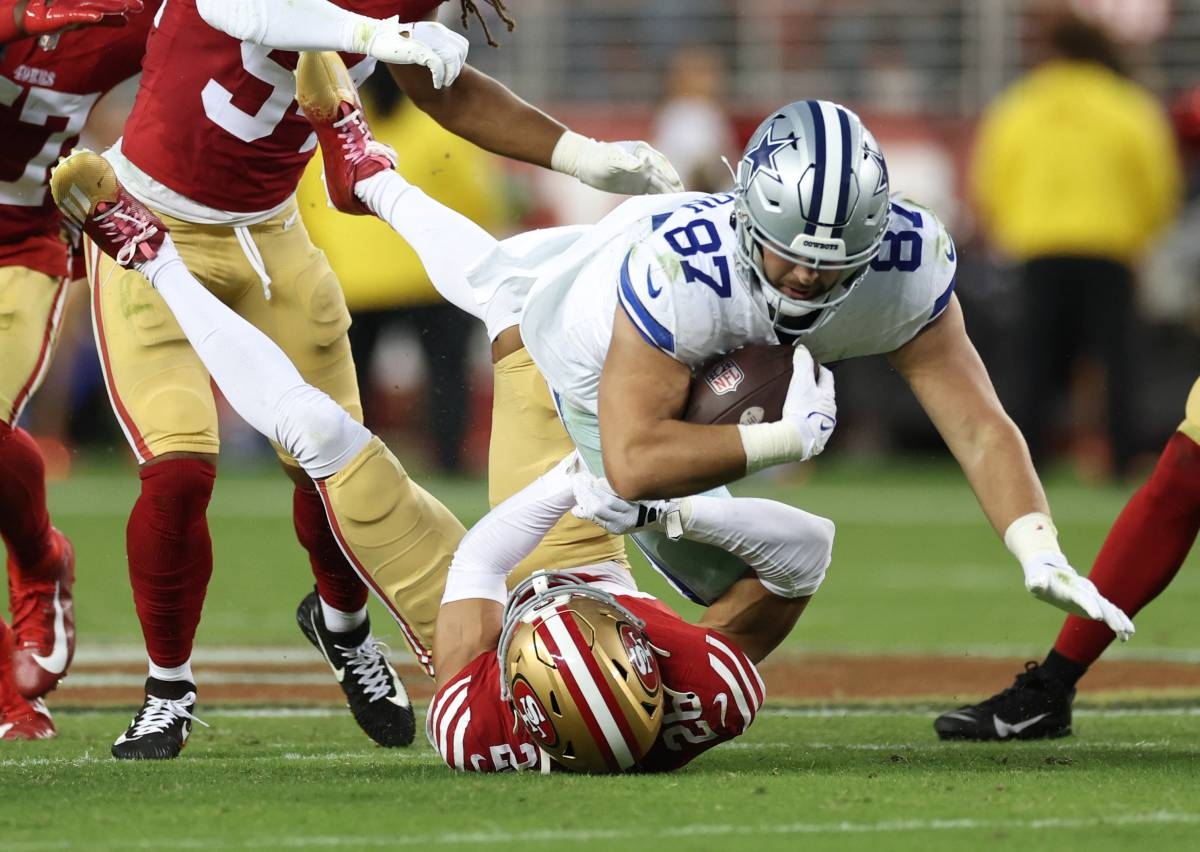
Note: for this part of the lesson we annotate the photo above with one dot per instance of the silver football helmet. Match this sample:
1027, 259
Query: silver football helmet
812, 186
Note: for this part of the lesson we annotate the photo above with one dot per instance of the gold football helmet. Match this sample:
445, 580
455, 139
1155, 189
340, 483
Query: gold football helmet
580, 674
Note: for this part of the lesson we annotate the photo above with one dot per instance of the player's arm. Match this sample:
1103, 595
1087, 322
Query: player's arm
320, 25
469, 620
649, 452
484, 111
950, 381
21, 18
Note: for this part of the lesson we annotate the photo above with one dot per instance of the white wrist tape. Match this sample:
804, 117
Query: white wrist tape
565, 157
768, 444
290, 24
1030, 535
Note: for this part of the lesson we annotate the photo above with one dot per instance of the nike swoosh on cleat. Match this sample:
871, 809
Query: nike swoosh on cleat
5, 728
56, 662
340, 674
1004, 730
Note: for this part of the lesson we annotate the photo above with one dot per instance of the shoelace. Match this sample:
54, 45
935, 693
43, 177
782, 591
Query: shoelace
368, 663
1024, 680
352, 130
160, 713
128, 230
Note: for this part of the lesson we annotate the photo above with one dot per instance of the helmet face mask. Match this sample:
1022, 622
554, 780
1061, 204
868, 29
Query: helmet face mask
580, 674
811, 187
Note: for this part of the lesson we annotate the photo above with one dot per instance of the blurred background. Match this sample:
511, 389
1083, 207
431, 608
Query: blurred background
1098, 372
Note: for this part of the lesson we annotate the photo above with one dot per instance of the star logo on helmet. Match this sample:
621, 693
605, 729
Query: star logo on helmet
881, 184
762, 156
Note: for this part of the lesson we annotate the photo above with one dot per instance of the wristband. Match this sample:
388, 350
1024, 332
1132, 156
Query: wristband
767, 444
1030, 535
565, 157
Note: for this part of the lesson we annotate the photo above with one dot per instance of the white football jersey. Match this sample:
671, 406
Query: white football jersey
668, 263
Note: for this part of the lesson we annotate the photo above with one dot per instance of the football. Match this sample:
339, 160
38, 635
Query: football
747, 385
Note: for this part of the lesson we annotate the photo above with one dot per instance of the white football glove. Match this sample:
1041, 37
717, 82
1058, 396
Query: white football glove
441, 50
628, 168
810, 406
1051, 579
595, 501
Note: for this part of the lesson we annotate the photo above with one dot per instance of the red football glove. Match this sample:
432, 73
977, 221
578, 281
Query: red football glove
50, 16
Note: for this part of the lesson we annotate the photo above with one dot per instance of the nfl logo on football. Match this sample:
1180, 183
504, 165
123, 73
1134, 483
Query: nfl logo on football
725, 377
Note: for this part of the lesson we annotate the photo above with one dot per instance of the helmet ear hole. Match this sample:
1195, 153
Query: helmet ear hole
620, 669
554, 704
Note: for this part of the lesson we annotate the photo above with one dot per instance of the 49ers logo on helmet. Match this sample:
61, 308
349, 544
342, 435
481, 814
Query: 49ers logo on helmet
532, 714
724, 377
640, 656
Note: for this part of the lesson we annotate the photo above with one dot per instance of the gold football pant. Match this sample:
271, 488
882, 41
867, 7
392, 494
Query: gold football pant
31, 306
528, 439
271, 274
1191, 414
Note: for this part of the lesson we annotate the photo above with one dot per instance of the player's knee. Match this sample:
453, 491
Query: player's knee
178, 488
804, 569
373, 490
317, 432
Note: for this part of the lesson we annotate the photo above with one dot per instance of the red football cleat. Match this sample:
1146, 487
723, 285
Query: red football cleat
86, 190
43, 624
19, 719
330, 102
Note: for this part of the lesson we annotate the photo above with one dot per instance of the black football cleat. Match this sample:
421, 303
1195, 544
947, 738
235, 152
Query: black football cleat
374, 693
1035, 707
160, 730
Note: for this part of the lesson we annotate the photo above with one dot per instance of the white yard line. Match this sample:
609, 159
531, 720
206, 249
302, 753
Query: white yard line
641, 833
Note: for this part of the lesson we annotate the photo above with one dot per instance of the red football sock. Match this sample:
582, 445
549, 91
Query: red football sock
170, 555
1144, 549
24, 519
337, 582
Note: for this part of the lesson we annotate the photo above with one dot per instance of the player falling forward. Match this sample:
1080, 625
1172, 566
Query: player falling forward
808, 248
376, 512
215, 148
48, 87
1141, 555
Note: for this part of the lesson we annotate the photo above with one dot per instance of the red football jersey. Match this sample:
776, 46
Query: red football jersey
712, 693
216, 119
45, 98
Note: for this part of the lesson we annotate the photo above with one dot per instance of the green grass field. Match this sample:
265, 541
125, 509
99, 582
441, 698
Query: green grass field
916, 570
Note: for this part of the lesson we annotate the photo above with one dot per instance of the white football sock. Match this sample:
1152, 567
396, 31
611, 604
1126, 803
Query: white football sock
447, 242
254, 374
183, 672
337, 621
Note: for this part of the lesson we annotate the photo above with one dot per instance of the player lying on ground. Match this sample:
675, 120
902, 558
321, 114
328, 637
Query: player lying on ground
807, 248
215, 148
375, 510
1141, 555
579, 667
51, 87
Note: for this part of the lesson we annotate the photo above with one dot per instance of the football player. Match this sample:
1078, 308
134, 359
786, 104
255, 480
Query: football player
1141, 555
36, 18
632, 686
47, 91
215, 146
808, 248
389, 527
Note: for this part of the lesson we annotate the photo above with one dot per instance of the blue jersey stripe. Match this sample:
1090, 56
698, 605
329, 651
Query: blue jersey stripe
814, 207
847, 170
655, 333
942, 300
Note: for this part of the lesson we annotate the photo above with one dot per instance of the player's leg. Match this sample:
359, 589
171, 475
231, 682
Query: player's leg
162, 398
1140, 556
360, 179
41, 561
306, 316
527, 440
